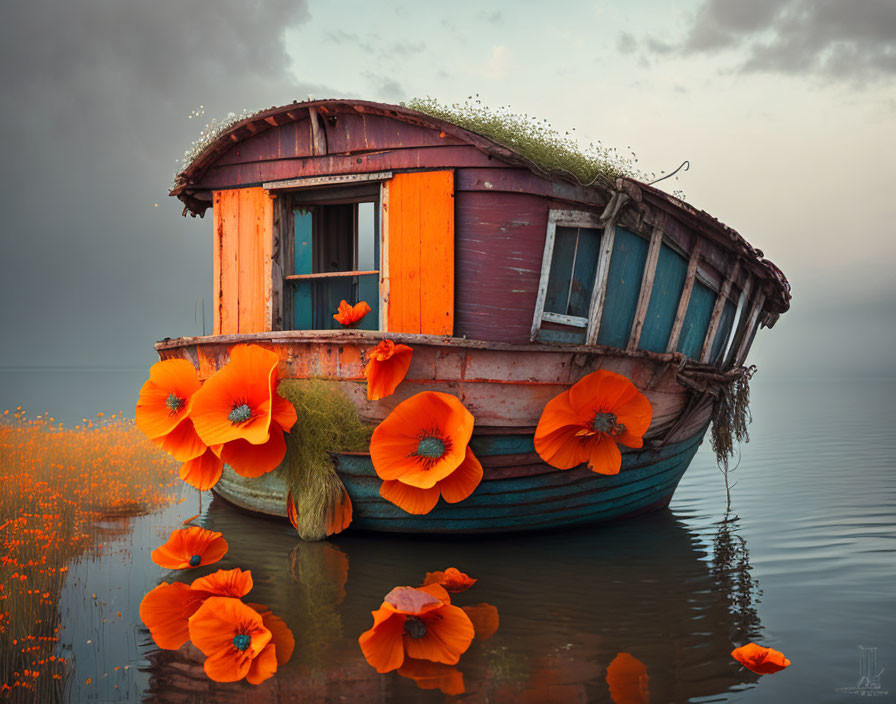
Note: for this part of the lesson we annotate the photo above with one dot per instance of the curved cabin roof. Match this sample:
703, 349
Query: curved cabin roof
193, 184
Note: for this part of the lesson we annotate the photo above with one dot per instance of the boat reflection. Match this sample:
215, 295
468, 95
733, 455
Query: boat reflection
631, 612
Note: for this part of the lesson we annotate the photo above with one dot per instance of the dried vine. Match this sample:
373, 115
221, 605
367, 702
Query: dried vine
730, 421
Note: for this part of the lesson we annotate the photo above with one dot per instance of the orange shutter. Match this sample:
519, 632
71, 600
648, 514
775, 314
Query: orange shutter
243, 222
418, 277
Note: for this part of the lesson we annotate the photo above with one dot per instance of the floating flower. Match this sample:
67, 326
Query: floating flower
163, 408
234, 640
627, 679
484, 618
421, 452
452, 579
386, 368
202, 472
190, 547
586, 422
416, 623
239, 413
281, 636
166, 609
350, 315
762, 661
433, 675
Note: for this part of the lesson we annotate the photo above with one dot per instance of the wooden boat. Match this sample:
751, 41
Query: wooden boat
510, 282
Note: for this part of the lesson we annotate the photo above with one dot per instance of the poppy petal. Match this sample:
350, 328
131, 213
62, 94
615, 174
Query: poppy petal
452, 579
340, 513
635, 415
236, 583
212, 630
761, 660
283, 413
433, 675
562, 448
202, 472
264, 666
166, 610
627, 679
601, 390
383, 645
182, 443
171, 376
462, 481
250, 460
410, 498
484, 618
604, 457
384, 375
449, 633
281, 635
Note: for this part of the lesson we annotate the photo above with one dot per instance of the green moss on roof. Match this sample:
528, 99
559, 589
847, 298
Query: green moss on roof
536, 140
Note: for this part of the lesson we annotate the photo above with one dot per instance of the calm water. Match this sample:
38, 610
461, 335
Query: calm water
807, 566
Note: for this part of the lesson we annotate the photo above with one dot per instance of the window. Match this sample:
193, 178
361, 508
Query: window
569, 271
335, 255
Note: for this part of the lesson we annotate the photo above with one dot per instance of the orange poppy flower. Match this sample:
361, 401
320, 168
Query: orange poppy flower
762, 661
416, 623
421, 452
452, 579
190, 547
387, 365
586, 422
234, 640
484, 618
239, 413
627, 679
351, 315
163, 408
166, 609
202, 472
433, 675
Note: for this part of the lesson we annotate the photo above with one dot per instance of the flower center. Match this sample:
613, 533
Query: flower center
608, 424
174, 403
242, 641
195, 560
240, 414
431, 447
414, 627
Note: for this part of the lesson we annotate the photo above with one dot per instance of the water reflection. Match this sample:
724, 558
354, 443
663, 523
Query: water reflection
581, 613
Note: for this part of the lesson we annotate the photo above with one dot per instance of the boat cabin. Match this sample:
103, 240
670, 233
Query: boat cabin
446, 232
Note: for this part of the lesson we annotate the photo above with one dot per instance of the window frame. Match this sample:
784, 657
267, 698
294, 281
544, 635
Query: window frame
572, 218
322, 191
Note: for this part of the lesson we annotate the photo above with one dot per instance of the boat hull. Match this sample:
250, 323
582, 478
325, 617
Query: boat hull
518, 492
506, 388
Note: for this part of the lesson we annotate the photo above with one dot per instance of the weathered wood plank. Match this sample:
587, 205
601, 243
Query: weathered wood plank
217, 235
668, 283
622, 288
230, 282
717, 312
685, 299
749, 330
318, 135
653, 253
599, 295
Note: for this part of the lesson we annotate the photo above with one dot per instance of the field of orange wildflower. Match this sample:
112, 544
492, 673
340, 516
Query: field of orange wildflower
61, 490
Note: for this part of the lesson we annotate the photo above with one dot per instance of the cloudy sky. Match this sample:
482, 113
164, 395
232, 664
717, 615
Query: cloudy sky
785, 109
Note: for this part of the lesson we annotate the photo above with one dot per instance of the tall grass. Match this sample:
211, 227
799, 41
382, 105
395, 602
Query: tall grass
60, 488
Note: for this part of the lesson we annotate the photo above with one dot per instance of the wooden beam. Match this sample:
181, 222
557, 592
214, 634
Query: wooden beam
335, 179
685, 298
318, 136
545, 274
653, 254
748, 330
717, 313
599, 294
329, 275
275, 311
738, 314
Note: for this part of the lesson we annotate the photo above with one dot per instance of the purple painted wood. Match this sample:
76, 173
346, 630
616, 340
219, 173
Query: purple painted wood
499, 248
284, 142
256, 172
356, 132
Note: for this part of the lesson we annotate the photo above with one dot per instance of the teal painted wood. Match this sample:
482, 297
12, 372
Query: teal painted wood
302, 264
539, 496
369, 290
696, 320
584, 271
623, 288
718, 345
557, 296
668, 283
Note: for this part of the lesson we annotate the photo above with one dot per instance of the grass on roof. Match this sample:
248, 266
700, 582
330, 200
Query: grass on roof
536, 140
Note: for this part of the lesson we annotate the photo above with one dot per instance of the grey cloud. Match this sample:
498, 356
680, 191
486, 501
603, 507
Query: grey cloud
850, 41
94, 117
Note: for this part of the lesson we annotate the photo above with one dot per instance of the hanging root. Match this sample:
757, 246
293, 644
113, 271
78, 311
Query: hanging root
731, 417
318, 504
